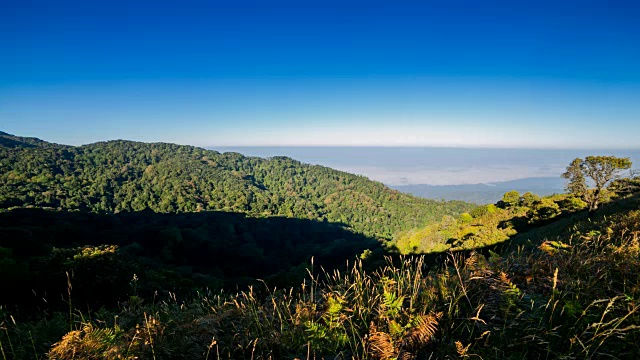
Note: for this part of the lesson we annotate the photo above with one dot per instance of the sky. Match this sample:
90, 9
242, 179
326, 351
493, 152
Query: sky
503, 74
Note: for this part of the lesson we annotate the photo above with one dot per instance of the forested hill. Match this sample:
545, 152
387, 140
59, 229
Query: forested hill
12, 141
117, 176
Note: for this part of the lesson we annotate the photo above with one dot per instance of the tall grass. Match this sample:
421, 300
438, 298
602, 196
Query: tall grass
571, 298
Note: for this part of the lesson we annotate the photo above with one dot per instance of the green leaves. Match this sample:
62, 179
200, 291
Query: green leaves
577, 184
329, 332
600, 170
125, 176
511, 199
542, 210
392, 304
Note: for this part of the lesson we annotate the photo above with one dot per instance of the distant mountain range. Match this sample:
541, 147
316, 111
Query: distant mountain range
486, 193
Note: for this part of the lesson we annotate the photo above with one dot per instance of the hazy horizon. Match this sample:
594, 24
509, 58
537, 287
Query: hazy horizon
411, 165
435, 166
53, 139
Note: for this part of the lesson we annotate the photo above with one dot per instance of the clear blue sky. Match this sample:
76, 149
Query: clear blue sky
562, 74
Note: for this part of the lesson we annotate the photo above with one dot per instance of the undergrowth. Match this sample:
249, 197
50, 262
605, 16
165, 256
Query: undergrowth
575, 298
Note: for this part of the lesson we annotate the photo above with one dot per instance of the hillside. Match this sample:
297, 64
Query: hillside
125, 250
568, 288
180, 218
13, 141
119, 176
179, 253
514, 219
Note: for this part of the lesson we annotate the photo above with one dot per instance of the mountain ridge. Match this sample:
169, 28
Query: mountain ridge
485, 193
121, 175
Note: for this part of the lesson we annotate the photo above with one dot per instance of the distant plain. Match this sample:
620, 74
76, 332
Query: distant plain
478, 175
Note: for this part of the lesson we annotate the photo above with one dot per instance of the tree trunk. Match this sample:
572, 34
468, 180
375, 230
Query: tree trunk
593, 204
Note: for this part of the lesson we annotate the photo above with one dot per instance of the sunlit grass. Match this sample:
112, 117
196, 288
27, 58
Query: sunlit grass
577, 297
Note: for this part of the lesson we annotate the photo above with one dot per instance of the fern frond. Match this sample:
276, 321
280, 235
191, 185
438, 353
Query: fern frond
380, 344
461, 349
425, 329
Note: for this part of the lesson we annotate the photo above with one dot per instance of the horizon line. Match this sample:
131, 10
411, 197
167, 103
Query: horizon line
463, 147
397, 146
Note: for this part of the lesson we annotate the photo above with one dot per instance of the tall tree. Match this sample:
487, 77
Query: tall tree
602, 170
577, 184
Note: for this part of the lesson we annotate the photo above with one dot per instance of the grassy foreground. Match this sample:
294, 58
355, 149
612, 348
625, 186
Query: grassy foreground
575, 297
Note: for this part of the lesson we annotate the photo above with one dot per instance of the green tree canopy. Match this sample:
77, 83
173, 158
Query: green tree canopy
510, 199
125, 176
601, 170
529, 198
544, 209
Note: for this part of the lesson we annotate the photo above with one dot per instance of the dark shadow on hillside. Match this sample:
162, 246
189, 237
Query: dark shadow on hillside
167, 252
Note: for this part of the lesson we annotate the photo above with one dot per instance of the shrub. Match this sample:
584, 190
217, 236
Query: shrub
479, 211
465, 218
510, 199
483, 210
544, 209
528, 199
572, 204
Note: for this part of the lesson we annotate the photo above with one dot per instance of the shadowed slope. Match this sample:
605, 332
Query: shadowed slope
174, 252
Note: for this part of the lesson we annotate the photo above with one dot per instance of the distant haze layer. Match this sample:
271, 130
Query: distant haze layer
486, 193
436, 166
